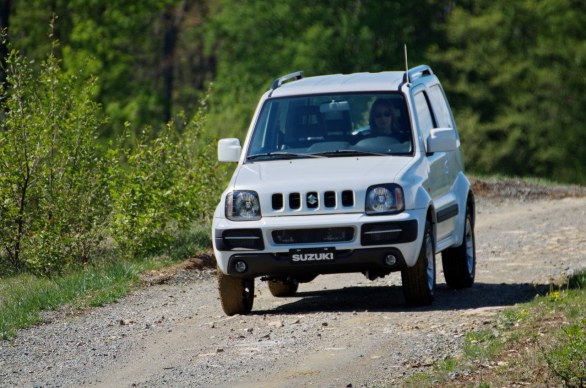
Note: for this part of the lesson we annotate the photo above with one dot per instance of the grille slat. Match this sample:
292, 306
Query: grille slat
295, 201
277, 201
330, 199
347, 198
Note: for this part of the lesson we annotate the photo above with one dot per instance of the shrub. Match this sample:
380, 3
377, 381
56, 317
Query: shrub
62, 194
52, 198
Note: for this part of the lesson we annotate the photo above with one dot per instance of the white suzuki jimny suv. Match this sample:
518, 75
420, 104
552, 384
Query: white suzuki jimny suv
345, 173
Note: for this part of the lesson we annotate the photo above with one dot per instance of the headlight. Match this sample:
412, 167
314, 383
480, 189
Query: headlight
243, 206
384, 199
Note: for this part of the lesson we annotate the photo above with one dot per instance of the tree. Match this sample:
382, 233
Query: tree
257, 41
515, 78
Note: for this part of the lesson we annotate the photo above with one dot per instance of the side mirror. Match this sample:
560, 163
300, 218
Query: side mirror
229, 150
442, 140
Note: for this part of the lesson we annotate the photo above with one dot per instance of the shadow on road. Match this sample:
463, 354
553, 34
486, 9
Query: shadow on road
383, 299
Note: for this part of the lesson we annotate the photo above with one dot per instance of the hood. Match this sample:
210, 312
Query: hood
315, 174
321, 175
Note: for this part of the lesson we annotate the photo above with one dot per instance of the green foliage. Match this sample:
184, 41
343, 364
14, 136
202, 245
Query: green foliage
160, 186
258, 41
566, 355
121, 41
542, 342
64, 198
514, 70
51, 194
482, 345
565, 351
23, 297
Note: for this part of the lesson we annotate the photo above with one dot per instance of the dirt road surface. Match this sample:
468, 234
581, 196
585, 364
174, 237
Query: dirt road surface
339, 331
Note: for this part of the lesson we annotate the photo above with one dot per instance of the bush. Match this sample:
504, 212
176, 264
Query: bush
162, 185
62, 194
52, 197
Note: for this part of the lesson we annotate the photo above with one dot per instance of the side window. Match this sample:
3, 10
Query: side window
441, 107
424, 116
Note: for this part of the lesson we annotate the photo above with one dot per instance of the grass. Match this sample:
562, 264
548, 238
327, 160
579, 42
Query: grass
24, 297
540, 343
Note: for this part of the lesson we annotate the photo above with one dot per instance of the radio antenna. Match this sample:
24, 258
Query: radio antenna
406, 77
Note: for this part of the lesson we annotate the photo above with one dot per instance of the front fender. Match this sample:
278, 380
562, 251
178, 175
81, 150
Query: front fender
463, 191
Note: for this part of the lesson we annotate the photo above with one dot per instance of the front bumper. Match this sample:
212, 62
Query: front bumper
370, 260
361, 243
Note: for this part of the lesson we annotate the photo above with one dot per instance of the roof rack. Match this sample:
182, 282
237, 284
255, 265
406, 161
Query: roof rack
417, 72
280, 81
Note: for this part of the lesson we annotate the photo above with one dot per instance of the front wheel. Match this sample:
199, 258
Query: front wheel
282, 288
460, 262
419, 280
236, 295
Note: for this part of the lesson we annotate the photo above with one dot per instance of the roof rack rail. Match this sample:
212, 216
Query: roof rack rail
418, 72
281, 80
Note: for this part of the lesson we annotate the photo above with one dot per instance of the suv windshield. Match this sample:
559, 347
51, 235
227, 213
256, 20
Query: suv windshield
332, 126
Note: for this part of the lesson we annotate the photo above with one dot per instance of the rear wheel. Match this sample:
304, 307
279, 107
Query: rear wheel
419, 280
286, 287
236, 294
460, 262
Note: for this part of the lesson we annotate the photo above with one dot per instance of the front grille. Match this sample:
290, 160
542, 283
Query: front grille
311, 236
312, 200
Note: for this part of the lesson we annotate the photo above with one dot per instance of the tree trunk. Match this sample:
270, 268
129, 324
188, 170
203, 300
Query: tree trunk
171, 29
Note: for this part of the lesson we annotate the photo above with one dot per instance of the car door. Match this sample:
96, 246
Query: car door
440, 180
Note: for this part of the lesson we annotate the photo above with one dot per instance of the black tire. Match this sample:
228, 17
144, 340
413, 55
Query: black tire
460, 262
305, 278
236, 295
419, 280
283, 288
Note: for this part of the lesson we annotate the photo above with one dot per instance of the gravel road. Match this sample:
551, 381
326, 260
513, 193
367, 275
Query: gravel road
340, 331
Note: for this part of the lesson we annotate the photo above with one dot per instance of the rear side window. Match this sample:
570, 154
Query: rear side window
424, 116
440, 106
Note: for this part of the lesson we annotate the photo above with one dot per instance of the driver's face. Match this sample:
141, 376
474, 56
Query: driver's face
383, 118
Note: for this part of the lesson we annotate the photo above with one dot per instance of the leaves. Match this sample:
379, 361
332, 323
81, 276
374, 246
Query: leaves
63, 193
520, 84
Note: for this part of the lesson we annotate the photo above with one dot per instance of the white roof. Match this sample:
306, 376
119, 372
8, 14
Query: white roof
342, 83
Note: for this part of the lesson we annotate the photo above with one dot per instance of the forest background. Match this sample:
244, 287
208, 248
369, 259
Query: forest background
111, 109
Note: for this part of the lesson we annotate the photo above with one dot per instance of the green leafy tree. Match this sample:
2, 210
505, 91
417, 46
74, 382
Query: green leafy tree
130, 45
256, 41
515, 71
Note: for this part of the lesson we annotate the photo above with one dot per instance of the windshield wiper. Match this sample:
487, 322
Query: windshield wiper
282, 155
348, 153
